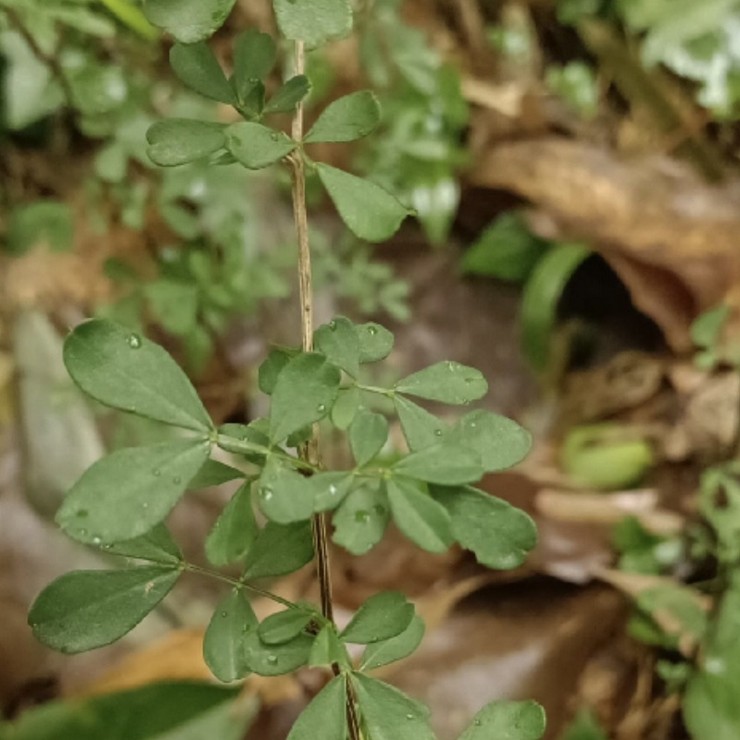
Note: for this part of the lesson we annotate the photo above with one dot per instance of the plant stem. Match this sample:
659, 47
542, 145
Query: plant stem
309, 452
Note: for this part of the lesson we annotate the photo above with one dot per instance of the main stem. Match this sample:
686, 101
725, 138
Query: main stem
309, 452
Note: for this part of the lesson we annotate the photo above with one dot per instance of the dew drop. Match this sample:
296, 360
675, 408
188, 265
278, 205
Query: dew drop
372, 330
333, 325
272, 659
177, 480
224, 614
477, 722
145, 505
134, 341
438, 432
362, 516
97, 541
254, 80
333, 490
156, 472
274, 135
409, 716
266, 493
321, 408
83, 532
473, 425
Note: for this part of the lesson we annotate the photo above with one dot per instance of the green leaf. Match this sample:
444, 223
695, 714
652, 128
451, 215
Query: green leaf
197, 67
313, 21
506, 250
284, 626
128, 372
499, 534
339, 342
710, 705
212, 474
376, 342
271, 368
419, 516
381, 617
174, 304
507, 720
448, 382
395, 648
235, 530
345, 408
327, 649
576, 84
420, 428
255, 55
370, 212
222, 644
445, 463
367, 435
160, 711
328, 490
347, 119
45, 222
98, 89
304, 393
156, 546
276, 660
85, 610
283, 494
326, 716
289, 94
707, 328
360, 522
179, 141
257, 146
388, 713
541, 297
500, 442
188, 20
131, 490
279, 549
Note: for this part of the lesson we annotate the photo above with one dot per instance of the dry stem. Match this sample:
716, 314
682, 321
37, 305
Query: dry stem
310, 451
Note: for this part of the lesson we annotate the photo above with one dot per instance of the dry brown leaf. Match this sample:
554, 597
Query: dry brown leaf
670, 237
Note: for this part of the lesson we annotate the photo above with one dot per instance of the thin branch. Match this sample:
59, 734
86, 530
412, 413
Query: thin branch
310, 451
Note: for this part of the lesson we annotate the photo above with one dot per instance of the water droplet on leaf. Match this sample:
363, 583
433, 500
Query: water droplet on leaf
321, 408
438, 432
362, 516
156, 472
177, 480
134, 341
372, 329
272, 659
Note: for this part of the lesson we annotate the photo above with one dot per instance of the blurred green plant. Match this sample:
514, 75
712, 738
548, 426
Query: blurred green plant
420, 150
698, 41
224, 257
